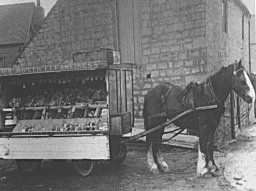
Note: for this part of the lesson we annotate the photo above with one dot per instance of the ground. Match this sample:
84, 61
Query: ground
240, 162
237, 168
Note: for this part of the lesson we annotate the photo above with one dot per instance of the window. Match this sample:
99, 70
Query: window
2, 61
243, 27
224, 16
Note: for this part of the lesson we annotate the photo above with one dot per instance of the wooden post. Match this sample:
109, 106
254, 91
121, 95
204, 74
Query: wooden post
238, 112
232, 122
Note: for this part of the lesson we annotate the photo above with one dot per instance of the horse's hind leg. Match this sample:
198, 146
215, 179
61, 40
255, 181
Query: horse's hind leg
202, 161
153, 141
162, 165
150, 156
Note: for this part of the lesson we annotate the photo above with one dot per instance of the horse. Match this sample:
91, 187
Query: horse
167, 100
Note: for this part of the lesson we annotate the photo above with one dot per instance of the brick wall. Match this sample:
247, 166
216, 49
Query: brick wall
173, 44
72, 26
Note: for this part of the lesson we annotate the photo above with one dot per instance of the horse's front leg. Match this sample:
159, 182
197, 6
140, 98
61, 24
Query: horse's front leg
202, 161
150, 159
211, 164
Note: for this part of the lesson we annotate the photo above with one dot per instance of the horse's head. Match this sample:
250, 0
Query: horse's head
241, 83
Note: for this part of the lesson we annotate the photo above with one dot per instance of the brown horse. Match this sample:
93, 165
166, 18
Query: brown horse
167, 100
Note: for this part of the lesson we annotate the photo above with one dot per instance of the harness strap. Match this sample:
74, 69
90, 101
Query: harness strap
165, 95
209, 83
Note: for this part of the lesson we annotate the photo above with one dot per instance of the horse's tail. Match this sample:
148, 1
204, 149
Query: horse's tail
146, 122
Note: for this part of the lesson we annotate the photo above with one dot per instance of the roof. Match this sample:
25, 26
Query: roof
243, 6
250, 4
15, 20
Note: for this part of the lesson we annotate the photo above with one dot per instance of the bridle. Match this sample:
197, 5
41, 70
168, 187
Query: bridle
236, 71
211, 89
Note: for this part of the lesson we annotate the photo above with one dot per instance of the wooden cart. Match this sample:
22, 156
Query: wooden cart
77, 111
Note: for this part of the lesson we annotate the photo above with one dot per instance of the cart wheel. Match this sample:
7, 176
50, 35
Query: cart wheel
83, 167
28, 166
121, 155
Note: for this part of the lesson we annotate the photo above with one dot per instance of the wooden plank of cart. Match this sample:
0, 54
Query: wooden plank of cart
77, 111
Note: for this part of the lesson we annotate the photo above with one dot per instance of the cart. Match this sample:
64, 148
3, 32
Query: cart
76, 111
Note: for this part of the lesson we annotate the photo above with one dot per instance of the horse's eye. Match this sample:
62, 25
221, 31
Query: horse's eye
239, 73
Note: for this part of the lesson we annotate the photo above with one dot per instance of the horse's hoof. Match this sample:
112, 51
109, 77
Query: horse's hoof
203, 172
164, 167
207, 175
154, 169
216, 173
214, 169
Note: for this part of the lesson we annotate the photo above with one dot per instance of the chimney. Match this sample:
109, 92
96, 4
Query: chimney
38, 17
38, 3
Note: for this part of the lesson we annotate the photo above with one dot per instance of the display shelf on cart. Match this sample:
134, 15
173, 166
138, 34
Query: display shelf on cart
77, 110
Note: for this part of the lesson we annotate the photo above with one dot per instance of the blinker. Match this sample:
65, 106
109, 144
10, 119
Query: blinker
235, 72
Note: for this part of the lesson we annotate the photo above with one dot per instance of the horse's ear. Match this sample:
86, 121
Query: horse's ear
240, 63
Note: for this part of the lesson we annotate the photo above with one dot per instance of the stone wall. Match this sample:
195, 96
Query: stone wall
223, 49
253, 57
173, 44
72, 26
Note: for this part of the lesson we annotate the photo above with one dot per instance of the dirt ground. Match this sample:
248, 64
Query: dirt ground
237, 164
240, 162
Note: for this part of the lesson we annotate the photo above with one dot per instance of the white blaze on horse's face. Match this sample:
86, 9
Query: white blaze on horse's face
251, 91
242, 85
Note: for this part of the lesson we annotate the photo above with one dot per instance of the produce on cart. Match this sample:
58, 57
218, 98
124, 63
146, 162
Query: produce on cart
78, 111
70, 108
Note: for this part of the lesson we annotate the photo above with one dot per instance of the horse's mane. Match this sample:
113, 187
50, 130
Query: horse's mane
201, 90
